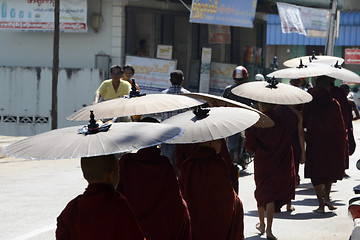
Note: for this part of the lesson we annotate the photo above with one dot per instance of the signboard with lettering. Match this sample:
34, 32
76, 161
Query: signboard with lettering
38, 15
352, 56
220, 77
164, 51
151, 74
239, 13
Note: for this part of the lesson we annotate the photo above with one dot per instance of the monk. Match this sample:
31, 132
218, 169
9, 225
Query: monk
148, 181
100, 212
273, 168
338, 94
183, 151
293, 120
215, 209
325, 142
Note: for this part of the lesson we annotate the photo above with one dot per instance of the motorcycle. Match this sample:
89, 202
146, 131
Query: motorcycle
354, 210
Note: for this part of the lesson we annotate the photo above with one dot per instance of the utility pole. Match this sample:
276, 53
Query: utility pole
330, 36
55, 69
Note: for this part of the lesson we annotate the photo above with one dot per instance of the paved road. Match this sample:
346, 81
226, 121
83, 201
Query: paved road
33, 193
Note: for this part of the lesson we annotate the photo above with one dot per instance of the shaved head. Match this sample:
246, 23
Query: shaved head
97, 169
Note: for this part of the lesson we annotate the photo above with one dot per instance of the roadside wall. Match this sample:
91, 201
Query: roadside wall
25, 97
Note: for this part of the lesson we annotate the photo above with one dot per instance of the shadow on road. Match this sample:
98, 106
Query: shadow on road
297, 216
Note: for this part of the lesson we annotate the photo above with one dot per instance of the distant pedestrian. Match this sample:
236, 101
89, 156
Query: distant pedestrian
177, 80
355, 95
235, 143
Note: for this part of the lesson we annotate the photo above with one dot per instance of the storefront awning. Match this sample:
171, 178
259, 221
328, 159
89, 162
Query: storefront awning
349, 32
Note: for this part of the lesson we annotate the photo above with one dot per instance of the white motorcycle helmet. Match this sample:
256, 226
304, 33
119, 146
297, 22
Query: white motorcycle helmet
240, 72
259, 77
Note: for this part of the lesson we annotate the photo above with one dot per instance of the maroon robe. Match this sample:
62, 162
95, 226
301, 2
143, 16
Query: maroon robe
325, 138
215, 209
273, 163
99, 213
346, 111
291, 121
149, 183
183, 151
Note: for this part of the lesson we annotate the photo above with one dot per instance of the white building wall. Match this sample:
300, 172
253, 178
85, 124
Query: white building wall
25, 97
77, 50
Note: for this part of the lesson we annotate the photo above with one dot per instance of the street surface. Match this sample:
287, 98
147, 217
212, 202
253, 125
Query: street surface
33, 193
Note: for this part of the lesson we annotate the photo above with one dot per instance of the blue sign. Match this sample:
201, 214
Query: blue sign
239, 13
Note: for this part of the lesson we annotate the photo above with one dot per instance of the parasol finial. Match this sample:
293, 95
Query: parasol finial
134, 92
93, 127
302, 65
337, 65
313, 57
272, 83
200, 112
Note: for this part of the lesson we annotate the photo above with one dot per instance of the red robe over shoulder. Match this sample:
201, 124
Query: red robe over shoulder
149, 183
273, 163
99, 213
325, 138
183, 151
215, 209
346, 111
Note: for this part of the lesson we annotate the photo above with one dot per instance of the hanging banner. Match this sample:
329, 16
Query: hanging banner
151, 74
290, 18
239, 13
38, 15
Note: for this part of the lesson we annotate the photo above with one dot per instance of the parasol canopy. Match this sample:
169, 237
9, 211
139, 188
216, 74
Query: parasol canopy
302, 71
217, 101
343, 74
272, 92
148, 104
92, 140
202, 125
312, 59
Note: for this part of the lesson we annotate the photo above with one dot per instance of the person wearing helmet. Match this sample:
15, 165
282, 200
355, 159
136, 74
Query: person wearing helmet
240, 75
259, 77
236, 143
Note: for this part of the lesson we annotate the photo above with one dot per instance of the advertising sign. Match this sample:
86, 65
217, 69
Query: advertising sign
239, 13
220, 77
164, 51
38, 15
219, 34
151, 74
352, 56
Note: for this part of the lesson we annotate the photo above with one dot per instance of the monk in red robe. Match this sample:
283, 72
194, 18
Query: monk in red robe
273, 168
215, 209
339, 95
148, 181
183, 151
100, 212
325, 142
293, 120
